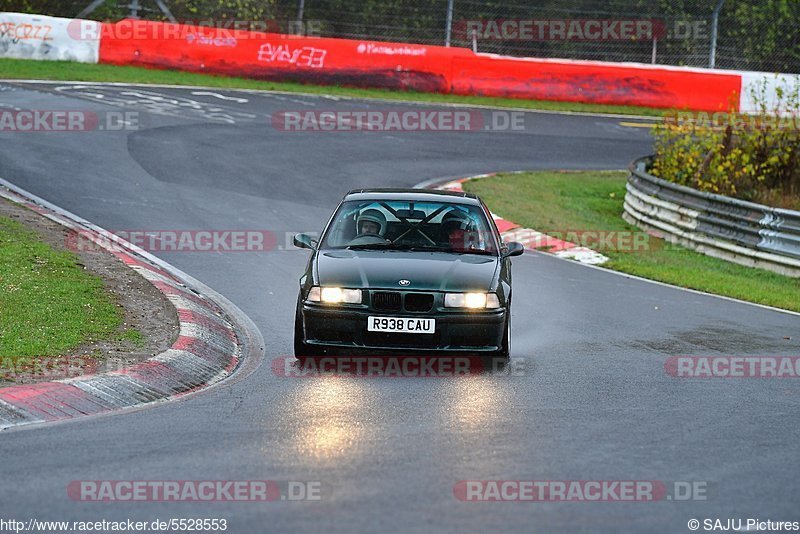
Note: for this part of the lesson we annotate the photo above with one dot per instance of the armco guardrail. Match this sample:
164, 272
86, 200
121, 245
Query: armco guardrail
272, 56
743, 232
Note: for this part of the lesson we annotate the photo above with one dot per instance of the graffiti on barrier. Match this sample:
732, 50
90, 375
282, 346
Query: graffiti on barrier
306, 56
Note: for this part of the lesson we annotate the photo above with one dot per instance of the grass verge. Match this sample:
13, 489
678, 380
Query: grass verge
48, 303
564, 202
21, 69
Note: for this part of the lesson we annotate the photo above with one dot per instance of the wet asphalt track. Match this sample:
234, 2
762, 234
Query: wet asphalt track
594, 403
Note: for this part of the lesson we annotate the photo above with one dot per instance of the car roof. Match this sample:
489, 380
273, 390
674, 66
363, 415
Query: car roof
419, 195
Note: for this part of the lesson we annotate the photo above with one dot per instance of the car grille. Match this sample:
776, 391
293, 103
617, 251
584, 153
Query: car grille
419, 302
397, 301
386, 301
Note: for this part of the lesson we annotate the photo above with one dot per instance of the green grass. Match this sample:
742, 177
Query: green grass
558, 202
82, 72
131, 335
48, 304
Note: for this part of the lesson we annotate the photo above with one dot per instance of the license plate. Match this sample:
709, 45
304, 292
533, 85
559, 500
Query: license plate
404, 325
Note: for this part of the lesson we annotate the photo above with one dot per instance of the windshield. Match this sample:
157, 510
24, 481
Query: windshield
409, 225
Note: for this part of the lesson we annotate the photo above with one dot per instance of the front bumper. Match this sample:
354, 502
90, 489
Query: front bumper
457, 331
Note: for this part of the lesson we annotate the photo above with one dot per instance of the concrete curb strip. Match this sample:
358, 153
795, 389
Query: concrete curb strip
208, 349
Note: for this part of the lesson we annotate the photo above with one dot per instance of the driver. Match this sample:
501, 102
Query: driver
371, 222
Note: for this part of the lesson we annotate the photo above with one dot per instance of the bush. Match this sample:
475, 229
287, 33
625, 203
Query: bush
752, 157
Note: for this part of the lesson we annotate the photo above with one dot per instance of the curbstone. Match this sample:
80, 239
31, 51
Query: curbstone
208, 349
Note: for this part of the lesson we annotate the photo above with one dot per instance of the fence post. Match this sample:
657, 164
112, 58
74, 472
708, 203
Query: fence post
449, 24
301, 6
712, 54
655, 50
164, 9
88, 9
134, 7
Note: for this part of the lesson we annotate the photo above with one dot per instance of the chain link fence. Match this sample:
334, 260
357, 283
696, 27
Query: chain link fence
752, 34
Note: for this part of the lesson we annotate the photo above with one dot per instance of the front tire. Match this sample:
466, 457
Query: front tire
301, 350
500, 358
505, 347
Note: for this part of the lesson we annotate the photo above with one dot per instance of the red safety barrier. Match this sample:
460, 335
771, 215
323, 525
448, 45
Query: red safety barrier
596, 82
270, 56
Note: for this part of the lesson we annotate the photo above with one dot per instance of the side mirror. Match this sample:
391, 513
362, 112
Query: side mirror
513, 249
304, 241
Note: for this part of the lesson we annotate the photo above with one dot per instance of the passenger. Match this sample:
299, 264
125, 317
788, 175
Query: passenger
454, 226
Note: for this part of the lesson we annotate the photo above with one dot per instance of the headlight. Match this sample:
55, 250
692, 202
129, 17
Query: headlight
471, 300
334, 295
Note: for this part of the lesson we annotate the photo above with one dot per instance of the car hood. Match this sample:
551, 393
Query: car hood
429, 271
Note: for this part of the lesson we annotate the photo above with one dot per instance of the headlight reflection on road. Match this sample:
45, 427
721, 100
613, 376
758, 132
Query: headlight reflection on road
474, 401
329, 413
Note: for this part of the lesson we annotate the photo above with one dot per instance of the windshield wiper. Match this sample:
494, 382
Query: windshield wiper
367, 246
448, 250
418, 248
477, 251
423, 248
397, 246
